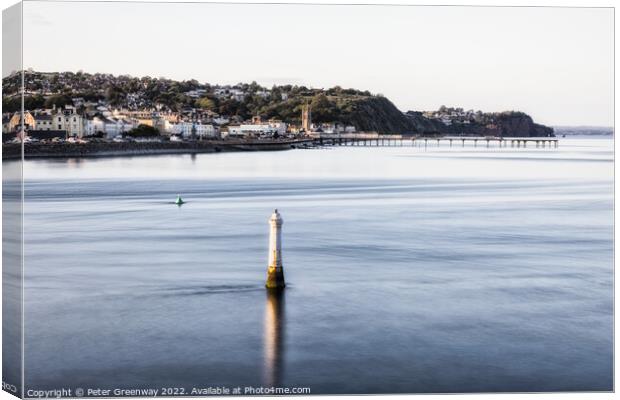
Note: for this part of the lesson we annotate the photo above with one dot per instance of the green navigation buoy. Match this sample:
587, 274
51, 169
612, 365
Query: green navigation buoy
179, 200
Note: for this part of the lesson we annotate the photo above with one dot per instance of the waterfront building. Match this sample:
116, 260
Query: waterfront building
111, 127
68, 120
94, 126
279, 126
162, 121
264, 128
15, 122
5, 124
195, 129
235, 130
327, 127
43, 122
118, 126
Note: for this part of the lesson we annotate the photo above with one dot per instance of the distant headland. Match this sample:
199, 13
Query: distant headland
107, 106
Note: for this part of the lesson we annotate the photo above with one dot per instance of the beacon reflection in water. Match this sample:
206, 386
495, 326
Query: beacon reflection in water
273, 338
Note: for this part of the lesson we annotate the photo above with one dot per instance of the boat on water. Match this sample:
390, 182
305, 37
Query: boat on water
179, 200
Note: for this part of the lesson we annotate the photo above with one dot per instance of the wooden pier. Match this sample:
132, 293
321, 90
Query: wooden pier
375, 139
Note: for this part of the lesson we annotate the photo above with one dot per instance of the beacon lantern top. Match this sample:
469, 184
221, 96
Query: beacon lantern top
276, 217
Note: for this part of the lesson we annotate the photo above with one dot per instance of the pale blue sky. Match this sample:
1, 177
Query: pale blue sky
556, 64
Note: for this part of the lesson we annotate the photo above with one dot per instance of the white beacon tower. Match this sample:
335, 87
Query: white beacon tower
275, 273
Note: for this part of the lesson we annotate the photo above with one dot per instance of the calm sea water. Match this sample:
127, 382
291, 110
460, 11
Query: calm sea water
409, 269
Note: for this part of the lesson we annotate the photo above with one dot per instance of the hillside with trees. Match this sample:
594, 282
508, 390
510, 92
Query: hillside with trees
361, 109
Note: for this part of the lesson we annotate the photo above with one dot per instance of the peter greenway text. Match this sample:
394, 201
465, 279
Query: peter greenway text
165, 391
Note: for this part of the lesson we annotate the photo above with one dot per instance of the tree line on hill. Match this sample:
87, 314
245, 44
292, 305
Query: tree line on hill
362, 109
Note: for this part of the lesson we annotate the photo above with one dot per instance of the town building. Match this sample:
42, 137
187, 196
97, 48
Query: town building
221, 120
15, 122
43, 122
270, 128
195, 94
110, 127
68, 120
229, 92
6, 124
196, 130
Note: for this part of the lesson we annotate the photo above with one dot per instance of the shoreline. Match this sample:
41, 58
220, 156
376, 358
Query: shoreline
12, 151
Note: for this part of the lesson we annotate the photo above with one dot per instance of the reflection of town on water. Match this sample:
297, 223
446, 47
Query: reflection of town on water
273, 338
75, 162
